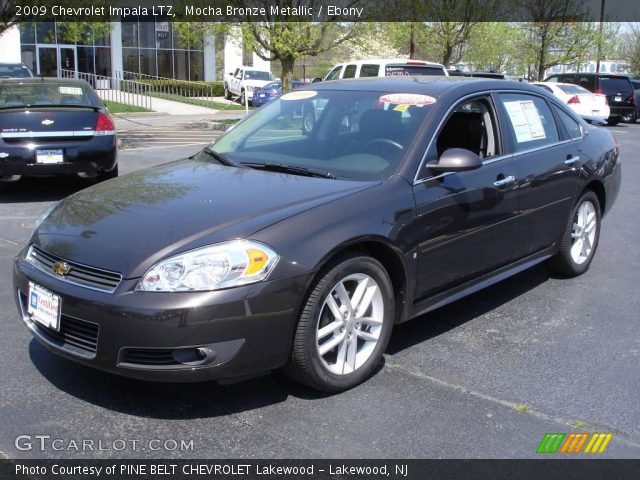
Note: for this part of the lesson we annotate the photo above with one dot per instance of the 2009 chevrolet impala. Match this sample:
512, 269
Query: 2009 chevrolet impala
298, 244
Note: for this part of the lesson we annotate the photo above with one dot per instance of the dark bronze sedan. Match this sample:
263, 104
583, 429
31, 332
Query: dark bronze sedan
51, 126
284, 246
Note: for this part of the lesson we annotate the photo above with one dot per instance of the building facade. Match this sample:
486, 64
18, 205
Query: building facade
139, 47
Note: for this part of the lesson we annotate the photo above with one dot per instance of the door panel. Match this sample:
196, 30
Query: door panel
546, 162
466, 225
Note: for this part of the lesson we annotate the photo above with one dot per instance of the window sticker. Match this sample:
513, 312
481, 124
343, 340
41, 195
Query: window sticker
301, 95
408, 99
526, 120
70, 90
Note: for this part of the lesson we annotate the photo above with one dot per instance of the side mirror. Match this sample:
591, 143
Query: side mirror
455, 160
316, 80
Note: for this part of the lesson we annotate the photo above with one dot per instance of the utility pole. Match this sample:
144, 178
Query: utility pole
599, 54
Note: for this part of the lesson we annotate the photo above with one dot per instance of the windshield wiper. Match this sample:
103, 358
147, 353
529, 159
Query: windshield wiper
223, 159
278, 167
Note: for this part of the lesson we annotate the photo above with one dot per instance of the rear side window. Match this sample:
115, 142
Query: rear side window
636, 84
572, 127
545, 87
369, 70
552, 79
615, 84
529, 120
349, 71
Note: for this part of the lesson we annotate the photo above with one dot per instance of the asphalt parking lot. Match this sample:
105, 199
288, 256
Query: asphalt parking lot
485, 377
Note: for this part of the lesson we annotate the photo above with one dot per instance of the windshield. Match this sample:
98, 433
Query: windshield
15, 71
344, 134
573, 89
257, 75
45, 94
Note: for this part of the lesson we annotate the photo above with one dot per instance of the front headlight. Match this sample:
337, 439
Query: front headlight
222, 265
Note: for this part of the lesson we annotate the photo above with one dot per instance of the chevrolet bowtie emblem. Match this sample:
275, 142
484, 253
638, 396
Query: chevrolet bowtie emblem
47, 122
61, 268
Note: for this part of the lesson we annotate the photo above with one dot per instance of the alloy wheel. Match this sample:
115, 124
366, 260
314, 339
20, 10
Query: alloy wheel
583, 233
350, 323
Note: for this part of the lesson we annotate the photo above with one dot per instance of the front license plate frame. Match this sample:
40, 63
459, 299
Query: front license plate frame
44, 307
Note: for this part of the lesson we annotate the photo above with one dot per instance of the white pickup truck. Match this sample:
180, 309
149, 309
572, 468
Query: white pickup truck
244, 81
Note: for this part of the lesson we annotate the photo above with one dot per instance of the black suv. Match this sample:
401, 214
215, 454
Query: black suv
617, 88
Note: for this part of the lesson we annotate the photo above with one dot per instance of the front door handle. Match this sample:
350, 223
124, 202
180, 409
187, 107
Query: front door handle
571, 159
504, 181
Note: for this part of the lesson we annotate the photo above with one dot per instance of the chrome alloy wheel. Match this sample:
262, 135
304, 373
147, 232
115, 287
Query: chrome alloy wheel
583, 233
350, 323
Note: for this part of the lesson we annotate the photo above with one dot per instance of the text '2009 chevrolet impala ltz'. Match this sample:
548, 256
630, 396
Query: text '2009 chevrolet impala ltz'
298, 244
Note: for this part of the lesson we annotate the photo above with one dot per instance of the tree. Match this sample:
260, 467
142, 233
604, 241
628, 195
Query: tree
8, 16
629, 47
286, 41
557, 35
494, 46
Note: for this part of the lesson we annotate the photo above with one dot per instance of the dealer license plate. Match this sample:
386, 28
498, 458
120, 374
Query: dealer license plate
44, 307
49, 156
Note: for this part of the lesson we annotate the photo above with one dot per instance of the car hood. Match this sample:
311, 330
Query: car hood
129, 223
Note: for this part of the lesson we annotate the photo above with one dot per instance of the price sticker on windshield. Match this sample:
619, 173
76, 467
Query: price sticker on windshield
408, 99
301, 95
70, 90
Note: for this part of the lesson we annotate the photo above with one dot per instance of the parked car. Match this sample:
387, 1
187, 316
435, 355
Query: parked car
262, 95
244, 81
54, 126
617, 88
390, 67
15, 70
273, 248
590, 106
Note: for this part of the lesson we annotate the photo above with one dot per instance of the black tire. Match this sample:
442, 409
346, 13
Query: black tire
629, 118
306, 365
241, 98
227, 93
563, 262
107, 175
613, 121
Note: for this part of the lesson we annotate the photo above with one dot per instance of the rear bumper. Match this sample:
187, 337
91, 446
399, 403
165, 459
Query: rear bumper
618, 111
155, 336
92, 156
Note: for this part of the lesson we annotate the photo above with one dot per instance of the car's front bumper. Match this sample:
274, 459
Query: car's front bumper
153, 336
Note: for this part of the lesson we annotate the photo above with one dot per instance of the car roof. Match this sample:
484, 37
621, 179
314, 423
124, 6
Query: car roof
426, 84
591, 74
391, 60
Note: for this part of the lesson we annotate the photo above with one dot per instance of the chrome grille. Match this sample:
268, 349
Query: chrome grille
82, 275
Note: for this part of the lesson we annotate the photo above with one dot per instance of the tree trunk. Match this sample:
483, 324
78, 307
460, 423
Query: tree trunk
286, 63
412, 41
446, 57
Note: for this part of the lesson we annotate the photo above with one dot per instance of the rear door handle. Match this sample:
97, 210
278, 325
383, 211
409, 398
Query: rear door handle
504, 181
571, 159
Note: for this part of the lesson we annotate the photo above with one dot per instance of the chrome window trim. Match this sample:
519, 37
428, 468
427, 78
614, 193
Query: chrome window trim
70, 133
417, 181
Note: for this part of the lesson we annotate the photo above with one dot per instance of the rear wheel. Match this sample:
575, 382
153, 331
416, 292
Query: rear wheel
580, 239
613, 121
344, 327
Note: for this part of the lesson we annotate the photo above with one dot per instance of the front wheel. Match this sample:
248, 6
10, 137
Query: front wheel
241, 99
344, 327
227, 93
580, 239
